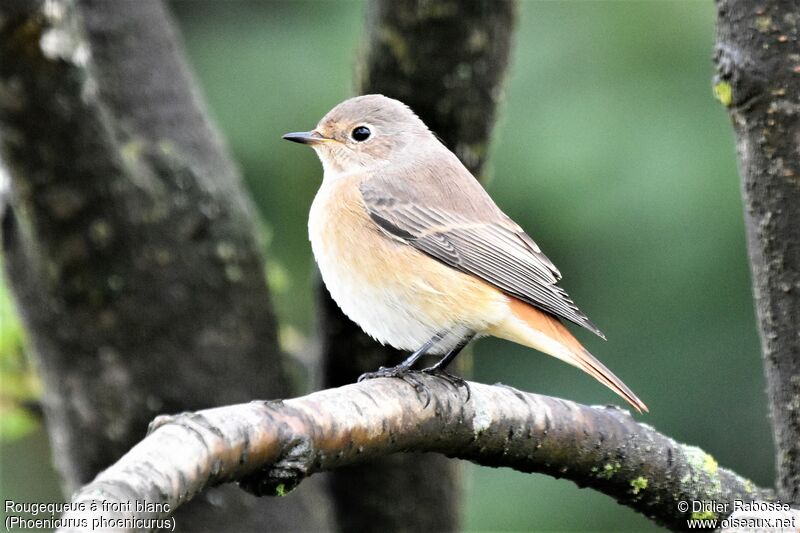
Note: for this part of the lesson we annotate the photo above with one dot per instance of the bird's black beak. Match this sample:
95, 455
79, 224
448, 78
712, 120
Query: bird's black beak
306, 137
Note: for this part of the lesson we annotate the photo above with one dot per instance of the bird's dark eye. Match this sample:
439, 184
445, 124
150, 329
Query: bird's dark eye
361, 133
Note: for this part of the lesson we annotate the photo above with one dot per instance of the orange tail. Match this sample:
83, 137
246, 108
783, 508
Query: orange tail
544, 332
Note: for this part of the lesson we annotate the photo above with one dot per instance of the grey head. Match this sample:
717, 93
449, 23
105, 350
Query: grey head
364, 132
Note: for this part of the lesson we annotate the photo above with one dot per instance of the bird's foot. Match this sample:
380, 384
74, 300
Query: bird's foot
456, 381
398, 371
411, 377
401, 372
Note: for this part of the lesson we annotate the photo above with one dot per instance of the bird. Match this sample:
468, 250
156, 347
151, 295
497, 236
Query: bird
413, 249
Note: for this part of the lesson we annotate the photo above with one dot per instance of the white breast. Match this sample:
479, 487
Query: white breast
363, 277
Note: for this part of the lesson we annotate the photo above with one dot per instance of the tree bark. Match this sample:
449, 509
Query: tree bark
447, 60
758, 79
272, 446
130, 245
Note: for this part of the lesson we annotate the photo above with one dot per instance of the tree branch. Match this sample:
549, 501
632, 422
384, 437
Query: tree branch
271, 446
758, 79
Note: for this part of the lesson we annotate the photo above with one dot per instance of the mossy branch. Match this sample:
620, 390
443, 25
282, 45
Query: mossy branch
269, 447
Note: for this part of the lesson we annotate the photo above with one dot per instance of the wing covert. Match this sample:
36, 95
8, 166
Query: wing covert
496, 250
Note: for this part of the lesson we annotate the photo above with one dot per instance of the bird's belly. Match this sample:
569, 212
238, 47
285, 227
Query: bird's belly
396, 294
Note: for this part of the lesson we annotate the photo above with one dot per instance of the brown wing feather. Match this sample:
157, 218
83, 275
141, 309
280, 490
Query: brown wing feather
444, 212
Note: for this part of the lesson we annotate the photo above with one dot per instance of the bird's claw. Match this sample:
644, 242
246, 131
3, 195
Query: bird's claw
384, 372
455, 381
410, 377
400, 372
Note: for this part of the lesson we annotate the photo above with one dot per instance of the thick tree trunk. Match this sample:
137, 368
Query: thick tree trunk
130, 245
447, 60
758, 64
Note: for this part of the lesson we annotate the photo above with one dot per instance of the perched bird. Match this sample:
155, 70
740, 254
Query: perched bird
414, 251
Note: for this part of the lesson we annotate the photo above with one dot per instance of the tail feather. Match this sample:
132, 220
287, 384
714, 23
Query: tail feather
544, 332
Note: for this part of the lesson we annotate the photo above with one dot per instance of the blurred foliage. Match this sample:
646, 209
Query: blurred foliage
19, 386
611, 151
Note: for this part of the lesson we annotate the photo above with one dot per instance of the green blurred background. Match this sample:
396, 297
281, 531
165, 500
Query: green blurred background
610, 150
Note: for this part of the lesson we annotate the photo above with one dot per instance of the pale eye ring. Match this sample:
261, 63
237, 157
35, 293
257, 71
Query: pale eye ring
360, 133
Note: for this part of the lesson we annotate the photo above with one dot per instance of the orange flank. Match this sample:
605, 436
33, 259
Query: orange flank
546, 333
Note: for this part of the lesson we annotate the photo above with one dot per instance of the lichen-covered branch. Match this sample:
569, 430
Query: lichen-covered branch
270, 447
448, 60
130, 245
758, 79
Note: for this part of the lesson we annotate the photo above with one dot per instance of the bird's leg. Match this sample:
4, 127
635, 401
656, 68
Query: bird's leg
439, 368
449, 356
403, 370
404, 367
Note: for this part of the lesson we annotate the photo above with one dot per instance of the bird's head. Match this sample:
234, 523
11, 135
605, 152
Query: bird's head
363, 132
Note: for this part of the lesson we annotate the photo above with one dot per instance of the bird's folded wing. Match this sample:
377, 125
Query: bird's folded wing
496, 250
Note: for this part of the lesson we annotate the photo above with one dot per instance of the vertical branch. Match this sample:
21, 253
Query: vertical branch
758, 79
447, 60
130, 245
